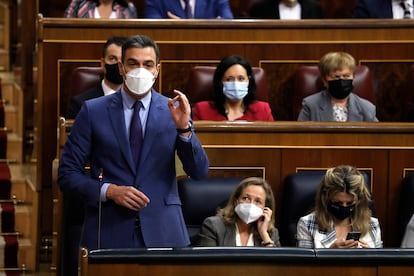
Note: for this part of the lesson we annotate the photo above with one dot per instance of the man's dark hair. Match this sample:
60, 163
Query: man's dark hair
141, 41
117, 40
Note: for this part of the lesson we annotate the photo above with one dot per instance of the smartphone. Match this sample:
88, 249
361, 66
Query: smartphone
353, 235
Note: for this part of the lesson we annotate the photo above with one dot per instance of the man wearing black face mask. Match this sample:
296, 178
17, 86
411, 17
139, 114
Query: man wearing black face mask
341, 206
111, 81
337, 103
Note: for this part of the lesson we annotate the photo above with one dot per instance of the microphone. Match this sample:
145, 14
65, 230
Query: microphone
100, 178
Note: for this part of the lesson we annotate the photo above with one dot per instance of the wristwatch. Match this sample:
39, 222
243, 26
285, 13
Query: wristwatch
184, 130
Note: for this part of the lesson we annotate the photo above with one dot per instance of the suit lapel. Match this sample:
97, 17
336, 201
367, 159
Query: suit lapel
179, 12
354, 110
229, 238
116, 113
386, 9
325, 107
155, 124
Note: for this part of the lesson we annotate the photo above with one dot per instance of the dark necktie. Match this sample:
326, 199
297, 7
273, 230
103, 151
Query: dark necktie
188, 11
406, 8
135, 133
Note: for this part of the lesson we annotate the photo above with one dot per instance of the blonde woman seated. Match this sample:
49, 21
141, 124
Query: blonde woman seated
337, 103
342, 206
247, 219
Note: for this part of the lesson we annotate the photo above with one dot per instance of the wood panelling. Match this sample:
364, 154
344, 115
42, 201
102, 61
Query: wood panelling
282, 148
390, 270
229, 269
277, 46
383, 48
247, 261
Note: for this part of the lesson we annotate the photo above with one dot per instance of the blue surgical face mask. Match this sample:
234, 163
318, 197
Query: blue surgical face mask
235, 90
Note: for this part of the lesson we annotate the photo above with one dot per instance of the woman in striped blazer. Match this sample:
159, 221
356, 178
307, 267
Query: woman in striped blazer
115, 9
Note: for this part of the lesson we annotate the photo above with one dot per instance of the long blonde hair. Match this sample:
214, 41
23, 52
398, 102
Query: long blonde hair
228, 212
346, 179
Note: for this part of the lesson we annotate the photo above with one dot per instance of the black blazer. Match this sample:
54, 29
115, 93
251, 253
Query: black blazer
269, 9
77, 101
373, 9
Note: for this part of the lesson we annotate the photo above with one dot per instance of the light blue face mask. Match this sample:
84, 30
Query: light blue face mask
235, 90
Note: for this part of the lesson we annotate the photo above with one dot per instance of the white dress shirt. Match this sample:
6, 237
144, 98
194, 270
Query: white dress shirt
286, 12
398, 11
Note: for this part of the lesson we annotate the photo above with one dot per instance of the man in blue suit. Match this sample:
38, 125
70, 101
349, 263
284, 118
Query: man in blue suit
132, 204
380, 9
175, 9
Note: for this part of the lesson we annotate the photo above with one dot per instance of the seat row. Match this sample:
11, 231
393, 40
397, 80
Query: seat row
201, 199
240, 9
200, 84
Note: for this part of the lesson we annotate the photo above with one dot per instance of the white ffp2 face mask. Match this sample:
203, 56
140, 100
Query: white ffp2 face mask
139, 81
248, 212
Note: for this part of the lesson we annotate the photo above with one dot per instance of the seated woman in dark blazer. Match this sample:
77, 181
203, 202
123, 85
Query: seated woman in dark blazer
233, 95
247, 219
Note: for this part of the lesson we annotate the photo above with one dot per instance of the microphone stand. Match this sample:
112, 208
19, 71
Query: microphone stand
100, 178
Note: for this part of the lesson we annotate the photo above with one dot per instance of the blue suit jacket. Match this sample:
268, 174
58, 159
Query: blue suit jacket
318, 107
99, 136
373, 9
204, 9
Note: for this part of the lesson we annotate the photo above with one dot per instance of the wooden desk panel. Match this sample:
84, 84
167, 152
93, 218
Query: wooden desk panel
397, 271
246, 261
235, 269
281, 148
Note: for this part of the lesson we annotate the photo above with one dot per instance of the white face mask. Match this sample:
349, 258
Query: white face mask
248, 212
139, 81
235, 90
